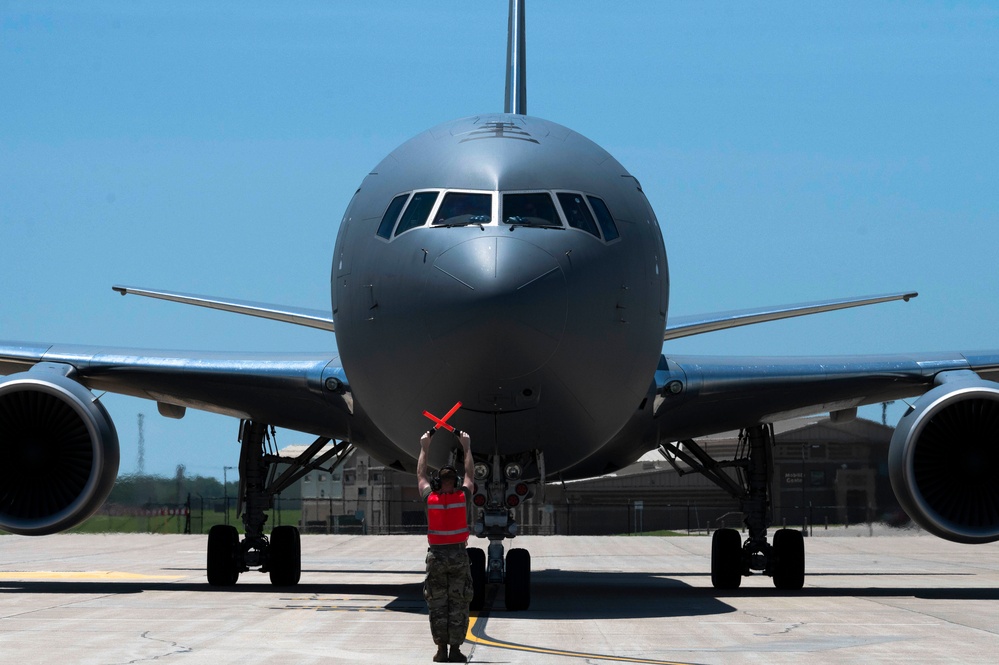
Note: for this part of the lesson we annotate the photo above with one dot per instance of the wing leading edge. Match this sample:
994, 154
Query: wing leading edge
685, 326
311, 318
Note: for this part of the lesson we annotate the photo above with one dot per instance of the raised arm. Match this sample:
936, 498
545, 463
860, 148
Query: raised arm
466, 446
423, 480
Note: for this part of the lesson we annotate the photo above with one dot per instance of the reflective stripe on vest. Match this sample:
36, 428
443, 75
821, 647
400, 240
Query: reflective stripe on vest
446, 520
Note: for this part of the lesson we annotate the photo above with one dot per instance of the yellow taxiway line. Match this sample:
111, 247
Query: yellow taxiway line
477, 635
106, 575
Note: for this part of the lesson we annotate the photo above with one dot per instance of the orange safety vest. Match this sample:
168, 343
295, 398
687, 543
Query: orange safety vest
446, 520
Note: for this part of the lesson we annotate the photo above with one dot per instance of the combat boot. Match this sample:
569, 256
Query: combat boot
441, 655
456, 655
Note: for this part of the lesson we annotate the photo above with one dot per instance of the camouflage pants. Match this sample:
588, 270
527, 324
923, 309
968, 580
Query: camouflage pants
448, 591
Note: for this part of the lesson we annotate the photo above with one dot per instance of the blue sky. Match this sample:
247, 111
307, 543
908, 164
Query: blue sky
792, 152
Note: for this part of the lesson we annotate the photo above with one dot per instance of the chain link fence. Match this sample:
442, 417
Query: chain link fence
339, 516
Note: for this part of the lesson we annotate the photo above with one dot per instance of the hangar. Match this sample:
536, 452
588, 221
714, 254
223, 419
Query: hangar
825, 472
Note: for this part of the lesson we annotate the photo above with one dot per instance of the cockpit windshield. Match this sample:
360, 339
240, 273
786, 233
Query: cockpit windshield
605, 219
576, 212
417, 211
534, 209
571, 211
464, 208
391, 215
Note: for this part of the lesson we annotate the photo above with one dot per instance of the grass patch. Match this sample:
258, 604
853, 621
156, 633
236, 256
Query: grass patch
201, 522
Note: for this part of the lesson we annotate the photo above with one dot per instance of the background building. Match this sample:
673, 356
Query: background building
360, 496
824, 472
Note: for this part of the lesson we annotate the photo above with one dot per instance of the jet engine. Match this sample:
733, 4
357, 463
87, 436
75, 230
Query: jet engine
58, 453
944, 460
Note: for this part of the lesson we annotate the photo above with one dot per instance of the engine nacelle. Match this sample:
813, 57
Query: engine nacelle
58, 453
944, 461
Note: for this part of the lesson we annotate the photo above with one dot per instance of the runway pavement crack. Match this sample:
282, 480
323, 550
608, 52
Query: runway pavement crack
175, 649
789, 628
770, 620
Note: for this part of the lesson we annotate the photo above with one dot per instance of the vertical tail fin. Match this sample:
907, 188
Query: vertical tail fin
516, 61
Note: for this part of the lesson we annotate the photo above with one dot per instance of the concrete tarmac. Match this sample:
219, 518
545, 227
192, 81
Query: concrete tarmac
109, 599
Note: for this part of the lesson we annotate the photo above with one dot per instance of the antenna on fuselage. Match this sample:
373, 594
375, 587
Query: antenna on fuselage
516, 61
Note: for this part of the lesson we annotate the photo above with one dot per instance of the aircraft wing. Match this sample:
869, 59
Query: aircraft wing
310, 318
700, 395
685, 326
308, 393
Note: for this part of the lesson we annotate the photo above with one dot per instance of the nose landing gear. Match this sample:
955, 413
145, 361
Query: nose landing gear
498, 489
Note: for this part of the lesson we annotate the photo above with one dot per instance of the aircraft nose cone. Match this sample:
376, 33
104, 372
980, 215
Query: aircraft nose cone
496, 306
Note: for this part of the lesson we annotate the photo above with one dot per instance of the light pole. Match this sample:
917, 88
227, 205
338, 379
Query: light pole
225, 490
804, 511
804, 523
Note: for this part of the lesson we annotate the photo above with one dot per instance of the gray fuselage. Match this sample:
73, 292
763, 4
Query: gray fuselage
548, 336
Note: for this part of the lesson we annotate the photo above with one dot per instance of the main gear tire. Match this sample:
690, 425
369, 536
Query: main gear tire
789, 560
284, 554
223, 555
726, 559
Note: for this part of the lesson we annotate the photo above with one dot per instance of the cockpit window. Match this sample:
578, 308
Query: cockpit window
531, 210
577, 213
469, 208
463, 208
604, 218
417, 211
392, 214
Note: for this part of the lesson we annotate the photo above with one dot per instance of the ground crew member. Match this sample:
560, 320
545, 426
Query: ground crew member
448, 588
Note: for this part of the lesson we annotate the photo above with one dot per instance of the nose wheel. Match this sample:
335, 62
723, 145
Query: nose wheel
516, 577
518, 580
477, 562
498, 490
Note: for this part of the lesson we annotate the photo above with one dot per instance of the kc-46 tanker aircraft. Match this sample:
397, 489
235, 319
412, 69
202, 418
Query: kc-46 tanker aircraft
506, 262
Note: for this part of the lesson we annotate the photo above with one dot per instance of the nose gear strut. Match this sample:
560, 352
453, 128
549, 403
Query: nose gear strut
495, 521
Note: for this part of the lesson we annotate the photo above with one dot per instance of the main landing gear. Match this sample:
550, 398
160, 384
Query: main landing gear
499, 487
731, 558
280, 555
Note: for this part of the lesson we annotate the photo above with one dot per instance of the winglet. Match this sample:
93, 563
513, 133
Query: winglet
310, 318
696, 325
